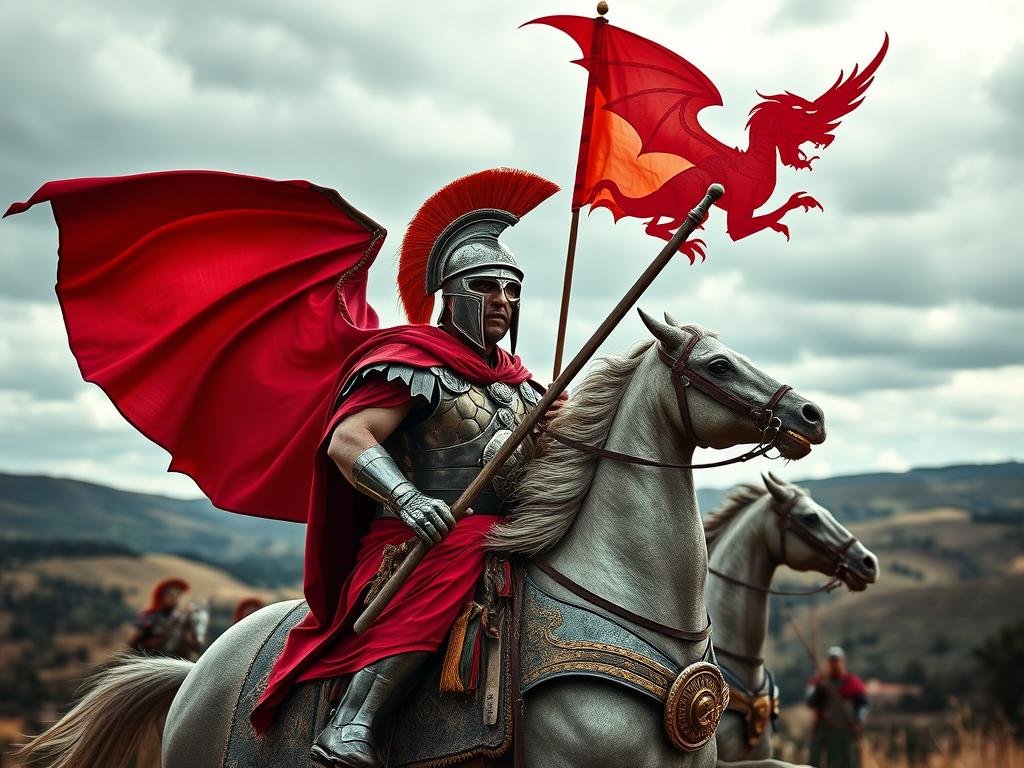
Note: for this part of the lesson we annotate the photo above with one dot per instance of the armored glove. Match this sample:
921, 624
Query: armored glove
377, 475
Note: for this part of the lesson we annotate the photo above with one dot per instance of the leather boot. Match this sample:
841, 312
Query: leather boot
351, 737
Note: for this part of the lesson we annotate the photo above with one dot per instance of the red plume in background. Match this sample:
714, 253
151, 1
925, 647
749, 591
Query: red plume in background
505, 189
158, 591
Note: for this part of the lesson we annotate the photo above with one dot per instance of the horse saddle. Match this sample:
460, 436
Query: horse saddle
461, 709
464, 708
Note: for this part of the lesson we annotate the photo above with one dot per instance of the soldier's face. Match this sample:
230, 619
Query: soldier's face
170, 597
499, 297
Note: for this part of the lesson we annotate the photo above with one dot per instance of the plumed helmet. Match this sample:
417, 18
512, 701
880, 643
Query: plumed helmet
453, 241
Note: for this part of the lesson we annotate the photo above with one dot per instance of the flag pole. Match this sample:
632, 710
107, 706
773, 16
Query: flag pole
577, 203
563, 314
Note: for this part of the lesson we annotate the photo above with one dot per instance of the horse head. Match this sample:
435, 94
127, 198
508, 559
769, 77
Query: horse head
809, 538
718, 398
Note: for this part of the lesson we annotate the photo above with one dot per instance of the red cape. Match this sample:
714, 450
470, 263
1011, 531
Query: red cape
221, 313
215, 310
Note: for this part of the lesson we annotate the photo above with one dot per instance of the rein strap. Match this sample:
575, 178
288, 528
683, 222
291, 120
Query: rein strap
617, 610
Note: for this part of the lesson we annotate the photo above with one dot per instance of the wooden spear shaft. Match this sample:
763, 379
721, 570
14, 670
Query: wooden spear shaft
461, 507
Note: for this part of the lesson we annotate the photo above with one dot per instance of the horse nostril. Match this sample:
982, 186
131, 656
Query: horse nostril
811, 413
870, 564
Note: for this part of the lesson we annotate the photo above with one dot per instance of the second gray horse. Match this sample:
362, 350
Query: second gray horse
756, 530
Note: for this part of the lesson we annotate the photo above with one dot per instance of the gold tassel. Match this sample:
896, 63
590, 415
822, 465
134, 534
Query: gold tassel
451, 681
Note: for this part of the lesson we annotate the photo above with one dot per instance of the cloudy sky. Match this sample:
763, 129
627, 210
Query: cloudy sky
897, 309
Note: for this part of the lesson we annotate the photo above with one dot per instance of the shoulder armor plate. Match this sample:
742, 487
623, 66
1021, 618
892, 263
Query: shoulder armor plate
451, 380
422, 382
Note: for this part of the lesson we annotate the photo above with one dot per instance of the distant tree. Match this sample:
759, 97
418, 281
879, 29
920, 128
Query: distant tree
1001, 658
941, 645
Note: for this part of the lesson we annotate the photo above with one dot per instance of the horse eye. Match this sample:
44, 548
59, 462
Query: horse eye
720, 367
812, 519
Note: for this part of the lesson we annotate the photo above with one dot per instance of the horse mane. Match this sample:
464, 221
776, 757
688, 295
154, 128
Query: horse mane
555, 483
719, 519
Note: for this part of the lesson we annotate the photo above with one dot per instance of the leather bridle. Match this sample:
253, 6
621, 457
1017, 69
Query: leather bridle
684, 377
790, 523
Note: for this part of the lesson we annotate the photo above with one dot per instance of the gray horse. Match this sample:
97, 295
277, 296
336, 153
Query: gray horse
749, 537
628, 532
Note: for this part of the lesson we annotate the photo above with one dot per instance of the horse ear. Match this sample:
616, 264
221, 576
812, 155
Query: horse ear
671, 320
776, 487
666, 334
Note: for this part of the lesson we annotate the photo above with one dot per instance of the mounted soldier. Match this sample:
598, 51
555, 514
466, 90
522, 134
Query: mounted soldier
260, 363
168, 628
416, 418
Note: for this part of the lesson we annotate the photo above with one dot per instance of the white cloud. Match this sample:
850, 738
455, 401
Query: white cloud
892, 461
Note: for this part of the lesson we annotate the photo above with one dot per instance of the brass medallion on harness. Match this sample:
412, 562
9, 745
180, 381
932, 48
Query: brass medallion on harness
757, 712
694, 706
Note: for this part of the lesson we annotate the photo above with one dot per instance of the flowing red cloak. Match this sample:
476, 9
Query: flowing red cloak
220, 313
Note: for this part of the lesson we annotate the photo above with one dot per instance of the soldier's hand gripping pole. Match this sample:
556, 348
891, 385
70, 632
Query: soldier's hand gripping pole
483, 480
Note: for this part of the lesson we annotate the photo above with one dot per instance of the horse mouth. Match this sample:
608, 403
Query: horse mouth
855, 582
792, 445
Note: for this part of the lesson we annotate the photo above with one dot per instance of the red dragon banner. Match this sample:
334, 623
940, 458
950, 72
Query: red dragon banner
644, 154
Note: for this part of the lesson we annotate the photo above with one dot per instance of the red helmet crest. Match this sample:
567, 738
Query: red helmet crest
504, 189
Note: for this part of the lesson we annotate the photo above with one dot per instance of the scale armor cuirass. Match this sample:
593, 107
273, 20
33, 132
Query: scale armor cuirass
454, 428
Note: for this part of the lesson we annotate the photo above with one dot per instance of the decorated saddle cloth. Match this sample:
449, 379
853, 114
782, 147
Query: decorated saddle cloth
461, 709
564, 639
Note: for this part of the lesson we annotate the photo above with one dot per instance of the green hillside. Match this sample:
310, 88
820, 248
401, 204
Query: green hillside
48, 509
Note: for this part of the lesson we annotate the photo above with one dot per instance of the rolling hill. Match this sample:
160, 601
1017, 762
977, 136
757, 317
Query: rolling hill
41, 508
950, 541
985, 490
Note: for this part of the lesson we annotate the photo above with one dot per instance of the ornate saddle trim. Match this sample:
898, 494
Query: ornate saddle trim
560, 578
557, 641
560, 639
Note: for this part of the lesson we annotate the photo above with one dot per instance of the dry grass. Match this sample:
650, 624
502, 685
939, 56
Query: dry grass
948, 741
961, 749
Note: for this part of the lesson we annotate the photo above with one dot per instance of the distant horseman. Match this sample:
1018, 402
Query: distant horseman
167, 628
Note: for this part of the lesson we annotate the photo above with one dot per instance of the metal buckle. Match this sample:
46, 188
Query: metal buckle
772, 428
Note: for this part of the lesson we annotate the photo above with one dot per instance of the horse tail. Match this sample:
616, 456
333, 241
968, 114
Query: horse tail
122, 707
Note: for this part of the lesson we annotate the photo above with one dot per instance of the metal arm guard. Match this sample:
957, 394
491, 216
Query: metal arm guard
377, 475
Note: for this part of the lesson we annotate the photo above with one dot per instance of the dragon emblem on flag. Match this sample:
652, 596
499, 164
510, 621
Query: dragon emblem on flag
644, 153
